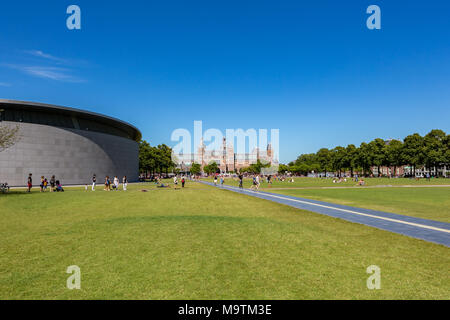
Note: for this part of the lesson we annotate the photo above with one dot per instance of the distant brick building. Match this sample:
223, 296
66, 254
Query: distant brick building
229, 161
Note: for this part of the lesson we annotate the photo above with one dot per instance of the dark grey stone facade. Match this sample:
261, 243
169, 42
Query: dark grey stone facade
72, 155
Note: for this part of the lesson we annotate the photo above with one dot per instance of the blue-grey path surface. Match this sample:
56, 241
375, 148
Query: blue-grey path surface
429, 230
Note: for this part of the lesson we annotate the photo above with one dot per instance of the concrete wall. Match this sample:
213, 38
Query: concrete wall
73, 156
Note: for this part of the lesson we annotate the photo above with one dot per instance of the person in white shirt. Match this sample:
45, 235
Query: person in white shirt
116, 183
124, 183
94, 181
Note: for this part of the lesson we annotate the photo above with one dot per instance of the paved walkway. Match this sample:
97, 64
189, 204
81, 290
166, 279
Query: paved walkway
429, 230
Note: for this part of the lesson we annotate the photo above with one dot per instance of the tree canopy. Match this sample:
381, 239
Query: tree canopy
432, 150
155, 159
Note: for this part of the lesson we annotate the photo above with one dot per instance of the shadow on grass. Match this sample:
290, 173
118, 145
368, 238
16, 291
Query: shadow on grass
12, 193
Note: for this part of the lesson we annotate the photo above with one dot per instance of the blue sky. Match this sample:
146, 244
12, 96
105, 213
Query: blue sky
311, 69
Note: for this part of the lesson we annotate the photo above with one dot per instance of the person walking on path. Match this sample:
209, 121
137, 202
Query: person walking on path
257, 182
253, 183
241, 182
94, 181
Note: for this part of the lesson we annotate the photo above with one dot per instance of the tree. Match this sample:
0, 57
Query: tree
256, 167
212, 167
394, 155
377, 153
446, 152
152, 159
338, 159
363, 158
433, 148
8, 137
351, 157
323, 157
146, 161
282, 168
195, 169
413, 151
165, 158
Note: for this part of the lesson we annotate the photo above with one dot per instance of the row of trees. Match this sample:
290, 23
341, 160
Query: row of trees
255, 168
213, 167
155, 159
432, 150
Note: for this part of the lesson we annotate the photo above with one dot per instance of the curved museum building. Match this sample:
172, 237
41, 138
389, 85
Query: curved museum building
69, 143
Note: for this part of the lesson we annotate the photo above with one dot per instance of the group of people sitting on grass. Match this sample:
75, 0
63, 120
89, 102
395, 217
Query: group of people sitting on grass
339, 180
359, 182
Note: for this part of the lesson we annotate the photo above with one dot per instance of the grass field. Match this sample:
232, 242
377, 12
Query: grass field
202, 243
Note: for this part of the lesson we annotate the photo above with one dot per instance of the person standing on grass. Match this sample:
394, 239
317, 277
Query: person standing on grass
45, 184
241, 181
116, 183
52, 183
183, 180
94, 181
30, 182
124, 183
215, 180
41, 185
175, 181
257, 182
107, 184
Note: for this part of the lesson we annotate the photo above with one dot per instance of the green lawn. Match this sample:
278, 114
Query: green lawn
202, 243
